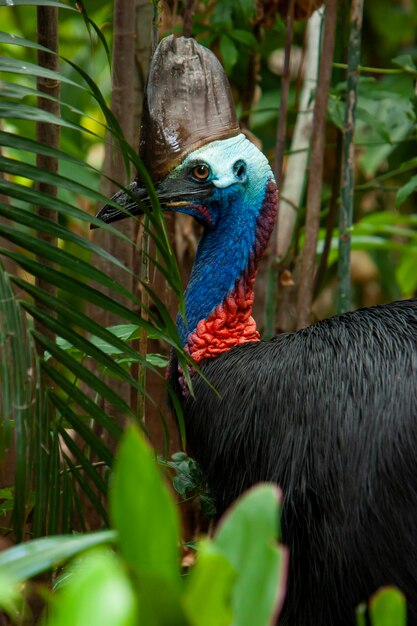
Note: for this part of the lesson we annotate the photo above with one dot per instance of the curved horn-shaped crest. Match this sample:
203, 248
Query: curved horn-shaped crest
188, 103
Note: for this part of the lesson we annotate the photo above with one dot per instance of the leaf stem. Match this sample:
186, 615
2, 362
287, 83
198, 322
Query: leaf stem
371, 70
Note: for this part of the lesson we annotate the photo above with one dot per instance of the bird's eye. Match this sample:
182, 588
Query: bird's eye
201, 171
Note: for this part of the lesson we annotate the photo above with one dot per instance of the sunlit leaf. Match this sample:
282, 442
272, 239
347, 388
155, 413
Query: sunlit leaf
248, 534
9, 38
48, 3
8, 64
207, 599
146, 518
388, 608
140, 507
97, 592
28, 559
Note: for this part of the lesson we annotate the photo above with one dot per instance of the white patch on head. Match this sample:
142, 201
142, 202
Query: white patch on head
222, 155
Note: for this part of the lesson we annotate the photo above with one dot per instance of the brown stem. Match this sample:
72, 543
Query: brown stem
144, 16
307, 268
46, 133
331, 218
271, 295
187, 29
283, 106
126, 98
348, 173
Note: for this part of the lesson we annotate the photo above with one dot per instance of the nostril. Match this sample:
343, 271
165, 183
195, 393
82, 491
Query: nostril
239, 170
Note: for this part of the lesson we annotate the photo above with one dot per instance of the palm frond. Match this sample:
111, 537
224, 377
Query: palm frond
53, 369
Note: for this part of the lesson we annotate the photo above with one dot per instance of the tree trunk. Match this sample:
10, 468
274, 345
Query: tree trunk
46, 133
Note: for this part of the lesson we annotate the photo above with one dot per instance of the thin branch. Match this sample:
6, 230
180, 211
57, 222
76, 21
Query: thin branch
307, 268
272, 279
348, 177
331, 218
372, 70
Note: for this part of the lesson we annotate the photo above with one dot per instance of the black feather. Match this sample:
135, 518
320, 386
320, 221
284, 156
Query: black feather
330, 414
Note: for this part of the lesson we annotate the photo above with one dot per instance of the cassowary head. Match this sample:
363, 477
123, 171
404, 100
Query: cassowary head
191, 143
202, 165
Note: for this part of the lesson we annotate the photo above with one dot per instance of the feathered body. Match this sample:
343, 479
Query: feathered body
329, 412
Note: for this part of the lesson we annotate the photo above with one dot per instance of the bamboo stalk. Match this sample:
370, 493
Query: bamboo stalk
348, 182
46, 133
307, 267
291, 192
272, 275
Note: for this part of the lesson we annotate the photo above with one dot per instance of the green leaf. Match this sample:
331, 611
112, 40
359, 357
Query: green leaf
84, 401
406, 191
79, 370
157, 360
17, 168
246, 535
61, 257
17, 142
36, 3
207, 599
245, 37
229, 53
26, 112
97, 592
18, 376
33, 196
16, 66
62, 281
87, 434
21, 562
246, 8
388, 608
360, 614
222, 14
405, 61
379, 127
143, 512
85, 485
406, 274
146, 518
10, 598
389, 114
8, 38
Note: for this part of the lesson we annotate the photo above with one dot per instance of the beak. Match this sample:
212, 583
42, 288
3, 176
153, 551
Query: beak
173, 196
128, 204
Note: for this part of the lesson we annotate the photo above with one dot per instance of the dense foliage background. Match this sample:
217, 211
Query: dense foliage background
86, 317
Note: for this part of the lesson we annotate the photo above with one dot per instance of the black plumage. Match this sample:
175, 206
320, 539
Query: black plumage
330, 414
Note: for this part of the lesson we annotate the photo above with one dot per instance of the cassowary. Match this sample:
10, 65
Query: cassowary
328, 412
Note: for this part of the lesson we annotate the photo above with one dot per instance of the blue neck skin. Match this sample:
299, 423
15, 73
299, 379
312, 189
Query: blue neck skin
225, 248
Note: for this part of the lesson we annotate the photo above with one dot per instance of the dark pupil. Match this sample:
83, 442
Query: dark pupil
201, 171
